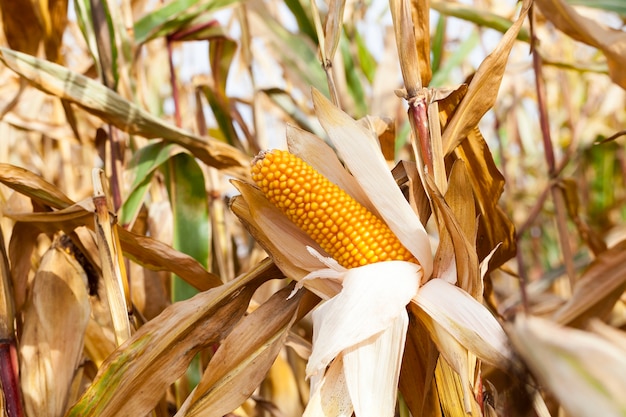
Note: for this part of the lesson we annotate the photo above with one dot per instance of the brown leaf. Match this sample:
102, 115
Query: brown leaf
483, 89
51, 345
612, 42
597, 290
21, 25
245, 357
33, 186
160, 351
418, 367
494, 227
456, 234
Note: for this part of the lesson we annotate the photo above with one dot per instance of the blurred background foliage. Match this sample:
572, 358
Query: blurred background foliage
172, 99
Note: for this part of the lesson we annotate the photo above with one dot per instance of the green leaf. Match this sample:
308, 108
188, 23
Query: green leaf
142, 166
617, 6
366, 60
303, 19
190, 209
479, 17
174, 16
355, 88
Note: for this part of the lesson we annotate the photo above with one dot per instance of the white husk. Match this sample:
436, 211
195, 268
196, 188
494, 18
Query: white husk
373, 296
372, 370
466, 320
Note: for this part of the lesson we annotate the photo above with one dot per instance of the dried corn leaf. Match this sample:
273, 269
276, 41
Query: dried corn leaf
145, 250
33, 186
494, 227
586, 373
244, 358
598, 289
160, 351
612, 42
112, 108
418, 367
407, 46
483, 89
55, 318
456, 226
112, 264
17, 16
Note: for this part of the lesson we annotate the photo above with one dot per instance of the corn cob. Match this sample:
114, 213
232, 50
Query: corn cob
346, 230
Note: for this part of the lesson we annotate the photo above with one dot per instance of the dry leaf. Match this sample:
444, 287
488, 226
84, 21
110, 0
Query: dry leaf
612, 42
55, 318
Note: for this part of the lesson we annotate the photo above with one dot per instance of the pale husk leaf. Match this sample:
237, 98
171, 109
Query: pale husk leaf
314, 151
586, 373
357, 147
467, 320
373, 296
331, 398
372, 370
51, 346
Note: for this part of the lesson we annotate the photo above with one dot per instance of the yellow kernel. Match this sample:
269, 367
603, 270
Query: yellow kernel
339, 224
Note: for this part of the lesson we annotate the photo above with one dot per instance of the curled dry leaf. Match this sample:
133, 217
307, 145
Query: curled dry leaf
612, 42
483, 89
55, 318
597, 290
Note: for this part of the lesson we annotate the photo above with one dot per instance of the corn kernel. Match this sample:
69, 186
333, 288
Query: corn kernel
345, 229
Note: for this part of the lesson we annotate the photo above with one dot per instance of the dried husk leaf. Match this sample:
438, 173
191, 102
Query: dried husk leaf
612, 42
452, 393
494, 226
244, 357
467, 320
55, 318
586, 373
332, 397
597, 290
366, 305
483, 89
323, 158
160, 351
274, 232
418, 368
456, 229
112, 108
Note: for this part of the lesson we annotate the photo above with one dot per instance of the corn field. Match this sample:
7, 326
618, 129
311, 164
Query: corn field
312, 208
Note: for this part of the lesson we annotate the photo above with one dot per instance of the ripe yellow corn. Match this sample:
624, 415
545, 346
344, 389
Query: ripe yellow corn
349, 232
